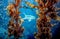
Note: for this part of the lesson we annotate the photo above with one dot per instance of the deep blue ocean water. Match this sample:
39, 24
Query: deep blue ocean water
29, 15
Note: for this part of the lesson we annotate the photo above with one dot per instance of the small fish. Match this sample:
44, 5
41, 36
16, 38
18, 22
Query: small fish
28, 17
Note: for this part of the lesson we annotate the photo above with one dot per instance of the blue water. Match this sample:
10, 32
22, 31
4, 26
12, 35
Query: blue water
29, 25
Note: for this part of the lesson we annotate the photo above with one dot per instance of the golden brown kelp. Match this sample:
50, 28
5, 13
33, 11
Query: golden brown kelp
14, 27
47, 12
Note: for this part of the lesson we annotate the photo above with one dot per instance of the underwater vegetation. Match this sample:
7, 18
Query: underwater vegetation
29, 12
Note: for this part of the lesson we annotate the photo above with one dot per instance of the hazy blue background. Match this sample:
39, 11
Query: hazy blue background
29, 15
